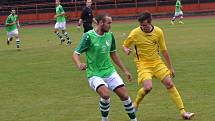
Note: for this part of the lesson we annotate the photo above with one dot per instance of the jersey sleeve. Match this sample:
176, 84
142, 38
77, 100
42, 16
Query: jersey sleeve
129, 40
17, 18
8, 20
178, 4
84, 44
83, 13
113, 44
162, 43
61, 10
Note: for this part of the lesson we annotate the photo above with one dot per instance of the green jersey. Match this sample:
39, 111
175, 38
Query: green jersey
59, 10
178, 6
98, 49
10, 19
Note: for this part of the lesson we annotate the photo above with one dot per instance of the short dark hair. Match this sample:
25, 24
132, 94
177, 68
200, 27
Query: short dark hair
145, 16
101, 17
12, 9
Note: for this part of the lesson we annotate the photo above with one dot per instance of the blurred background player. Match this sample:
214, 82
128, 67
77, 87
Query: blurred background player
148, 41
178, 12
11, 23
87, 17
61, 23
100, 48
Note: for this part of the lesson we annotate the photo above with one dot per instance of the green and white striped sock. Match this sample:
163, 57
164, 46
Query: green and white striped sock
129, 109
17, 43
104, 107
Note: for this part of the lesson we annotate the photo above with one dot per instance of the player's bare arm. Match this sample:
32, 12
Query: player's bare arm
119, 63
168, 61
127, 50
76, 58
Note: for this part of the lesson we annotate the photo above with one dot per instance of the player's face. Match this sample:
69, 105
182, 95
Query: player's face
57, 2
146, 26
106, 25
89, 3
13, 12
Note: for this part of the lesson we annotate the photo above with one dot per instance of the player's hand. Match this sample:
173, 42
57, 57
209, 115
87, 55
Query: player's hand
18, 25
172, 72
127, 50
12, 23
78, 27
55, 16
129, 76
82, 66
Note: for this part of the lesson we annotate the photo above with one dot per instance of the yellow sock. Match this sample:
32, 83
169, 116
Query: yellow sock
177, 99
140, 95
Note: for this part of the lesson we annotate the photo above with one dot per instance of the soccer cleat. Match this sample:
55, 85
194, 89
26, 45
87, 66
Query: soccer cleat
134, 119
69, 43
172, 22
181, 22
61, 41
8, 42
104, 118
135, 107
188, 115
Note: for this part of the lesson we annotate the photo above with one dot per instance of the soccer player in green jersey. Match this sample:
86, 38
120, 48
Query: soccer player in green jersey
11, 23
178, 13
61, 23
99, 46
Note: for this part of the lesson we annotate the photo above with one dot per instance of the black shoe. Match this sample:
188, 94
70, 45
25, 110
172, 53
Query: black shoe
61, 41
69, 43
8, 42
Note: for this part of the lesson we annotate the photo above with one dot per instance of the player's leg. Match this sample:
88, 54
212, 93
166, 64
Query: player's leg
116, 84
162, 73
100, 87
173, 18
65, 33
16, 34
67, 37
123, 95
104, 101
87, 27
142, 92
175, 96
17, 42
56, 31
9, 37
181, 18
145, 80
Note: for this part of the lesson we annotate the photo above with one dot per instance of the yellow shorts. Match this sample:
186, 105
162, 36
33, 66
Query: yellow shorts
148, 70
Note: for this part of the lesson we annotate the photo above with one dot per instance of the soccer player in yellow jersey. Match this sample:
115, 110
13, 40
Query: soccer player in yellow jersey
148, 41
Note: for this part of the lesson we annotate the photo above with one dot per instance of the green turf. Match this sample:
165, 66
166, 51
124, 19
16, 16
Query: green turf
41, 82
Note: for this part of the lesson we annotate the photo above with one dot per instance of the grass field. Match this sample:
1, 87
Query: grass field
41, 82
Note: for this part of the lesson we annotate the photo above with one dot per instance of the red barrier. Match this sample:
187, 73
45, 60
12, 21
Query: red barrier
117, 12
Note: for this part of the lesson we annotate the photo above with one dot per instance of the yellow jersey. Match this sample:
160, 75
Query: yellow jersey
146, 45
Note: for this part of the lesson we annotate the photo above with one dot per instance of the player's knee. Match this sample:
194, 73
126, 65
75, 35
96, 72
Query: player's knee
124, 96
105, 94
147, 89
55, 30
169, 84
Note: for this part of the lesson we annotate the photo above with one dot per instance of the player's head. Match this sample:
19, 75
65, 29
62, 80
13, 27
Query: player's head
145, 20
57, 2
88, 3
13, 11
104, 22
